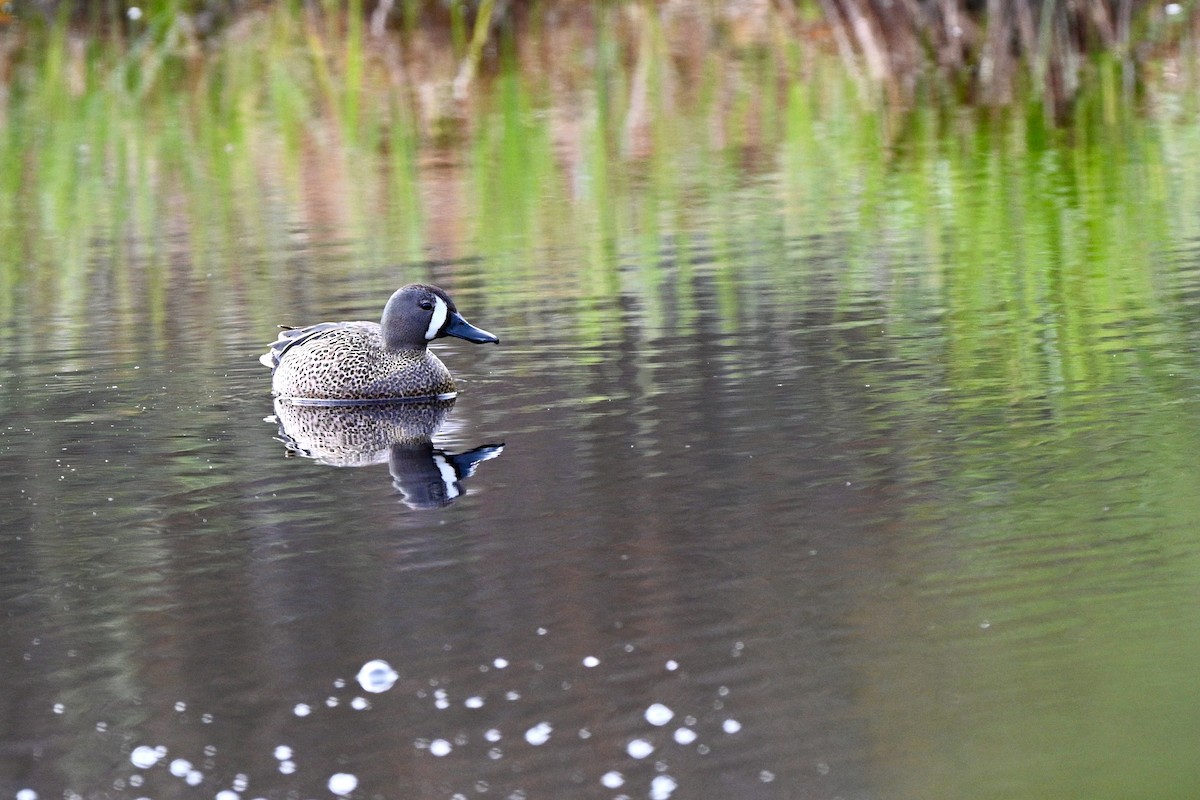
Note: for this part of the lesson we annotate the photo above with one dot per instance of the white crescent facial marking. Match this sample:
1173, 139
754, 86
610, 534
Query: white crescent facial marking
440, 310
449, 479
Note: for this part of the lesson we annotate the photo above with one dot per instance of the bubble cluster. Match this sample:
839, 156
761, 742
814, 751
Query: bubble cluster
481, 731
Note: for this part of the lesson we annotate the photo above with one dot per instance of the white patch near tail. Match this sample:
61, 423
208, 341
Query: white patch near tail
449, 478
440, 311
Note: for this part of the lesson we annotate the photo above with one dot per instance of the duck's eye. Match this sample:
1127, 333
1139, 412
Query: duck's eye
427, 305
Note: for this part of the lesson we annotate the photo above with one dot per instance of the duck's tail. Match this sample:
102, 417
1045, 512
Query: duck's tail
290, 336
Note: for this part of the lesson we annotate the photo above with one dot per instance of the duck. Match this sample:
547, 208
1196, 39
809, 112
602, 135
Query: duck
369, 363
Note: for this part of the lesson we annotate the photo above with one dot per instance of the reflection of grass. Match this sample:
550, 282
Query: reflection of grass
990, 293
613, 143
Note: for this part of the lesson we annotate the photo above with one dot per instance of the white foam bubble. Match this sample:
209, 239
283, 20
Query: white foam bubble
685, 735
359, 704
731, 726
287, 767
144, 757
591, 661
612, 780
27, 794
302, 709
662, 786
473, 702
639, 748
672, 665
283, 752
492, 735
342, 783
658, 714
180, 767
500, 663
440, 747
539, 734
194, 777
228, 794
377, 676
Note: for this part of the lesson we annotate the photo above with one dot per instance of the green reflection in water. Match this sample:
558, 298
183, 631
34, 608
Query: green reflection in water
1014, 302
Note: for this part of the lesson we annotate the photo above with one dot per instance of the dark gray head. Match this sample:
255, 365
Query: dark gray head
418, 313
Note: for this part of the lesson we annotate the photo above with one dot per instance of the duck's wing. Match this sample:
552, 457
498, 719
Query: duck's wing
290, 337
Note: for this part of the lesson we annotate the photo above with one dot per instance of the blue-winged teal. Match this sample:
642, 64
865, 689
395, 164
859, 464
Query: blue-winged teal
347, 363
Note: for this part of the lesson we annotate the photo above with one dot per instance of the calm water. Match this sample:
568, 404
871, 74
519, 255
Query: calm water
872, 508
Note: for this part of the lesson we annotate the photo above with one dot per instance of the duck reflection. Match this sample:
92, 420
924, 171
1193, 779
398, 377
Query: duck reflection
400, 434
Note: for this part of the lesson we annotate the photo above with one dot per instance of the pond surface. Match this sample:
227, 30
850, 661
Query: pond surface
804, 491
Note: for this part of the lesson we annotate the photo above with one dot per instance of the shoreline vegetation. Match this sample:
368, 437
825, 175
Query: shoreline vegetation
154, 139
987, 53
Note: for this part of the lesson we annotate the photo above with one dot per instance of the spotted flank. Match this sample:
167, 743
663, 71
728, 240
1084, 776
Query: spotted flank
290, 337
351, 363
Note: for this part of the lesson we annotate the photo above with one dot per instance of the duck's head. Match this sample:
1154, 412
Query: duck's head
417, 314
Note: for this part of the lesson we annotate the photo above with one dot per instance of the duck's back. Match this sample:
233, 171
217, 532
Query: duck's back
348, 361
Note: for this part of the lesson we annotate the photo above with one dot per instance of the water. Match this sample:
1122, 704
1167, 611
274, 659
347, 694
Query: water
884, 493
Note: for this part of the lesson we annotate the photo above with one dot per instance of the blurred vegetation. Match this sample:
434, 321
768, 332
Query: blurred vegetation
991, 216
987, 52
189, 149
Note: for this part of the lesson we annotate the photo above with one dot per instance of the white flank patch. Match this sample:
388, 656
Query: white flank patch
440, 311
449, 478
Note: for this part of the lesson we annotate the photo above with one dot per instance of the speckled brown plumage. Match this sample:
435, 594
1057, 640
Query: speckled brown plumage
350, 362
344, 362
357, 435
